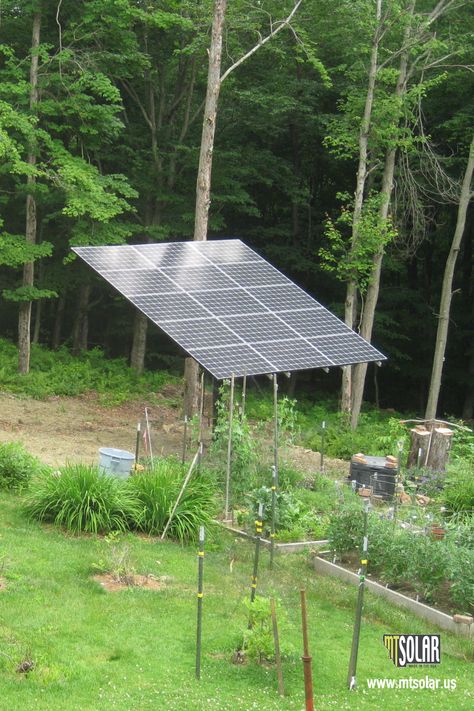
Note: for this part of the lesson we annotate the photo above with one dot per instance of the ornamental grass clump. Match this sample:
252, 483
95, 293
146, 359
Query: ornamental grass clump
157, 491
83, 500
17, 466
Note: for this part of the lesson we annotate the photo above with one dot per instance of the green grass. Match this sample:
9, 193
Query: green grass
60, 373
135, 649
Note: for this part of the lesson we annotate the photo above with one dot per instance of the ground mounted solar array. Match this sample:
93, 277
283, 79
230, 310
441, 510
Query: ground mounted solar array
228, 307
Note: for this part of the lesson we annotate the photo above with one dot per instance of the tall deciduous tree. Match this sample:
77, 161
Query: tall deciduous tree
24, 316
465, 197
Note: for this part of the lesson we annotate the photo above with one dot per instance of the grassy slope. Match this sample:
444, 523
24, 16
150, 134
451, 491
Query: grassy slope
136, 648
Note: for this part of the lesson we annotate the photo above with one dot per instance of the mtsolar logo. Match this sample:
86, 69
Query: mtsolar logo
411, 649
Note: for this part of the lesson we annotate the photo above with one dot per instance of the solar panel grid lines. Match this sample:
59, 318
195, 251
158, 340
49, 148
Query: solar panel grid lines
228, 307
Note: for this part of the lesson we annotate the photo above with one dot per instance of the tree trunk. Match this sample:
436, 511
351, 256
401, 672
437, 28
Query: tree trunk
137, 355
203, 183
440, 446
58, 322
24, 315
38, 313
446, 292
81, 323
468, 407
191, 387
350, 307
371, 299
420, 439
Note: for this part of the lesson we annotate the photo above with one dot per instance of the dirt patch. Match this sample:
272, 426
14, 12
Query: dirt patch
111, 583
3, 585
67, 429
72, 429
309, 461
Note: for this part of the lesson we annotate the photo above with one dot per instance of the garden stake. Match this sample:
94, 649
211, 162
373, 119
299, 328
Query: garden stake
272, 534
185, 438
199, 601
137, 446
351, 676
148, 432
323, 432
185, 483
276, 640
258, 533
308, 680
229, 449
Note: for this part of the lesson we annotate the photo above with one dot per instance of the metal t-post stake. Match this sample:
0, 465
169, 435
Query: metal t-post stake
199, 601
351, 676
273, 525
323, 437
229, 449
258, 534
275, 426
185, 438
244, 397
137, 445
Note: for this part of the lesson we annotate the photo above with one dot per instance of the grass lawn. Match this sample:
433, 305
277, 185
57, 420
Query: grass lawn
135, 649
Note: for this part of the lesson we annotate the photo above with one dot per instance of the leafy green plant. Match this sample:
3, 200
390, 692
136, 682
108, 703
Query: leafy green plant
17, 466
82, 500
459, 491
258, 643
156, 493
244, 449
461, 574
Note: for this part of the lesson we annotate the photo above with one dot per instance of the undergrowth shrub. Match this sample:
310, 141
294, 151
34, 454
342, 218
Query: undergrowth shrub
83, 500
459, 490
17, 466
156, 493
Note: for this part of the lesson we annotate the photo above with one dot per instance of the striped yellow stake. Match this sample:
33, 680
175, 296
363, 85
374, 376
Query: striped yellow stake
199, 601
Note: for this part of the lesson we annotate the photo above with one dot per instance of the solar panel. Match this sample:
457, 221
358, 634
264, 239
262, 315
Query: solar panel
228, 308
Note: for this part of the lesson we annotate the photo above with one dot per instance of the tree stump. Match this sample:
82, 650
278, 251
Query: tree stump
441, 440
420, 440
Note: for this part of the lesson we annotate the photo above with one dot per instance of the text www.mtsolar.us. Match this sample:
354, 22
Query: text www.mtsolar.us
426, 682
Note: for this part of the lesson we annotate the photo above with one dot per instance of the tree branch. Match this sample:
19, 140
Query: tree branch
261, 42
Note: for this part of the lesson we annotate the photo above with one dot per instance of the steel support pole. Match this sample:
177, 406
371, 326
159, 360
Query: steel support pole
229, 449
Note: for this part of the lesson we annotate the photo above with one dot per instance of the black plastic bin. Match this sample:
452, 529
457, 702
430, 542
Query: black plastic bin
374, 474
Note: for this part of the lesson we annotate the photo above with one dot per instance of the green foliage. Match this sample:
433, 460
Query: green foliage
459, 490
258, 643
117, 558
461, 574
244, 449
60, 373
156, 493
17, 466
353, 259
83, 500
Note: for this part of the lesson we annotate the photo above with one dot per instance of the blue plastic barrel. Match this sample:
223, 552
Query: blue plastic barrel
115, 462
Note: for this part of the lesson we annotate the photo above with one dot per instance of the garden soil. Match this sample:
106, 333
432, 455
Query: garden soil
72, 429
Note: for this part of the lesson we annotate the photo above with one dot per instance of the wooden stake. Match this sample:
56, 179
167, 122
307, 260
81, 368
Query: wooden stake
185, 483
308, 678
276, 640
137, 445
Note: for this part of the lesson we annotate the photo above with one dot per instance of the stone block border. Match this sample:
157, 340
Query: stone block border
458, 624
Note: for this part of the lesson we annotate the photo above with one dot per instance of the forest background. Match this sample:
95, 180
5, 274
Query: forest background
343, 153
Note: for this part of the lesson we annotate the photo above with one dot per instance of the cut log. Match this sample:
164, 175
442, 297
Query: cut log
438, 454
420, 440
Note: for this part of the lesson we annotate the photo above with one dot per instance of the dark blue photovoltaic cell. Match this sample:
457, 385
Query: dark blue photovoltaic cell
229, 308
